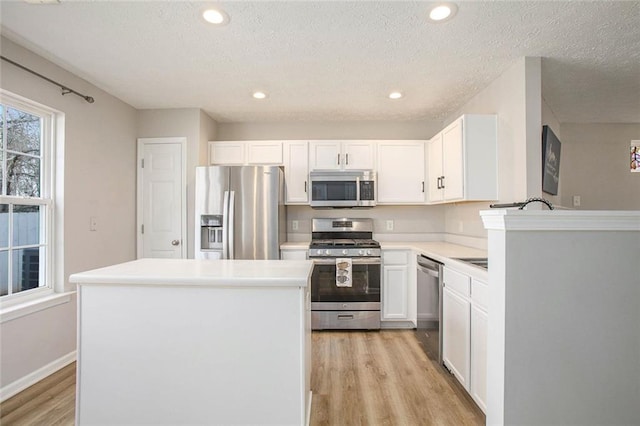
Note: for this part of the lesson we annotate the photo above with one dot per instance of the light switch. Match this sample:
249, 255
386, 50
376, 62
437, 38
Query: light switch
576, 201
93, 223
389, 225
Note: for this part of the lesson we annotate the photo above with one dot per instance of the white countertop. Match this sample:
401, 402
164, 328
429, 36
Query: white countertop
217, 273
437, 250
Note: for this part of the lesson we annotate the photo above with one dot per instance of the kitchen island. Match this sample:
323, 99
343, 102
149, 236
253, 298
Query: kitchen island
168, 341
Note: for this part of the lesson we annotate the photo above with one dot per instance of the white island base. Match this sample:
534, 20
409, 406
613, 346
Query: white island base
194, 342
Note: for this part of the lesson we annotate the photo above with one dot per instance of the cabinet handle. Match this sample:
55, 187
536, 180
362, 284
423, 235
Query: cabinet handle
338, 159
442, 177
305, 186
347, 155
422, 186
438, 185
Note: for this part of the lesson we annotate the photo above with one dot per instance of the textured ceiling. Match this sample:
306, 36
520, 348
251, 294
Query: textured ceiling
328, 60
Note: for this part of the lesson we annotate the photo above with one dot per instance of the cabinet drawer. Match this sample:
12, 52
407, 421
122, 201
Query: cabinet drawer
396, 257
456, 281
480, 294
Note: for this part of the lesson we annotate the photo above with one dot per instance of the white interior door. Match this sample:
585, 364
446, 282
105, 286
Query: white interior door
161, 198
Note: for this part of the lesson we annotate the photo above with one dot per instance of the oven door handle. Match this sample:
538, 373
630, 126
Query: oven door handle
354, 261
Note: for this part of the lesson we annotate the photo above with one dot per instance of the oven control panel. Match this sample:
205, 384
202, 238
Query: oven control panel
344, 252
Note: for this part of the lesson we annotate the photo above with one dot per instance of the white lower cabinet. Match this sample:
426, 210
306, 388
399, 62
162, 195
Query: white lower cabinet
479, 320
456, 334
398, 294
464, 333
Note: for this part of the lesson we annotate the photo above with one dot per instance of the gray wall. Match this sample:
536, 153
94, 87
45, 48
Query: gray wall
98, 162
594, 164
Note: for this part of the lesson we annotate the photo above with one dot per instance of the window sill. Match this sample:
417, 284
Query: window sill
32, 306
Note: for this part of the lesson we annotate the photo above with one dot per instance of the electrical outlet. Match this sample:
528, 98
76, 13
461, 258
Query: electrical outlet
389, 225
294, 225
576, 201
93, 223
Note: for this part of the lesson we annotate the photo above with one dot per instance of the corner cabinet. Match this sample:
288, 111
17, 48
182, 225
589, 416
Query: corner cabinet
296, 172
341, 155
401, 172
398, 297
463, 160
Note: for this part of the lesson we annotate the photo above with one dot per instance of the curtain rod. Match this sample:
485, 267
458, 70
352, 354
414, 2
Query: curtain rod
65, 89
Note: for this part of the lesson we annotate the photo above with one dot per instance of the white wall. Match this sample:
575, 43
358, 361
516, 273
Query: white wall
410, 223
198, 128
99, 180
594, 164
513, 97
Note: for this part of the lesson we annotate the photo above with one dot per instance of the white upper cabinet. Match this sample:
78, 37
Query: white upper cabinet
226, 153
238, 153
401, 172
296, 172
463, 160
341, 155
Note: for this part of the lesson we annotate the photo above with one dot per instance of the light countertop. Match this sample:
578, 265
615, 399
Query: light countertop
437, 250
219, 273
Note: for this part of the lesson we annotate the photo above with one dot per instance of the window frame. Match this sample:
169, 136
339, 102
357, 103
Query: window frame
46, 199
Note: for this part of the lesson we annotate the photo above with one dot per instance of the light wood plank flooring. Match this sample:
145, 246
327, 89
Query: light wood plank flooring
358, 378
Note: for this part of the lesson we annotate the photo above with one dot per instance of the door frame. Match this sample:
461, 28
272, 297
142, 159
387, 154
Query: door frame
182, 141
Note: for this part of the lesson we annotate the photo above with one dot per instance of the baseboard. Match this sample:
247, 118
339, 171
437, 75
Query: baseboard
30, 379
397, 325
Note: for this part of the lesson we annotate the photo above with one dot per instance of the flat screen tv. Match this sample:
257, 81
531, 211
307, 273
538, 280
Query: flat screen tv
550, 161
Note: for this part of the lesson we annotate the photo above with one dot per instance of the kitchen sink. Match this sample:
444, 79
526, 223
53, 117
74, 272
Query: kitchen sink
482, 262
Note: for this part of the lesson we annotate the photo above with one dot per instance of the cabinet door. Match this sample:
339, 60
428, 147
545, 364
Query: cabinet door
296, 172
264, 152
456, 325
478, 379
453, 161
358, 155
401, 172
394, 293
226, 153
325, 155
435, 169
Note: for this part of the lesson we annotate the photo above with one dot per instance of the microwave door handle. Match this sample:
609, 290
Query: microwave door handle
358, 202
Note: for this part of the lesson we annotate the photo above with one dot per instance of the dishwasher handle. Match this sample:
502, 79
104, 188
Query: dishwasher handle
429, 266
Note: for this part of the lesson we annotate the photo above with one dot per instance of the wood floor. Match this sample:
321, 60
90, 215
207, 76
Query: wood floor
358, 378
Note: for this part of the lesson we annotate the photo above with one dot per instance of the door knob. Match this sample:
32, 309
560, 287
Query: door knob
175, 242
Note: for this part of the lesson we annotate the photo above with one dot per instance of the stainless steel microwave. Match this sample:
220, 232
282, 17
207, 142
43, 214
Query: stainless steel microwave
343, 188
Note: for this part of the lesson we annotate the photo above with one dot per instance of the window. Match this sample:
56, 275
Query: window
26, 201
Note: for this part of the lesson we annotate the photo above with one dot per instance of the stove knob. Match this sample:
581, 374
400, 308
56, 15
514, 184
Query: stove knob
368, 252
361, 252
319, 251
327, 252
344, 251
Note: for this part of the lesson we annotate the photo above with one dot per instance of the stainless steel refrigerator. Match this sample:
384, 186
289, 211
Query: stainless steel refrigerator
240, 212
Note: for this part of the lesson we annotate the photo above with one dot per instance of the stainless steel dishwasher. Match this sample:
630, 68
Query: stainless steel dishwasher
429, 327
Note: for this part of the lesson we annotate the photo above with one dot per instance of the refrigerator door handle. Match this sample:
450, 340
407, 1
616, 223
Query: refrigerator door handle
225, 225
231, 229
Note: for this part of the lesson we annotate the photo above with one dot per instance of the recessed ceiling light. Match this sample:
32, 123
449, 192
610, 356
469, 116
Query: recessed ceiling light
443, 12
395, 95
259, 95
214, 16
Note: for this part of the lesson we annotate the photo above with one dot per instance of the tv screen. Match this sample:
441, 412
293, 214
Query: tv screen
550, 161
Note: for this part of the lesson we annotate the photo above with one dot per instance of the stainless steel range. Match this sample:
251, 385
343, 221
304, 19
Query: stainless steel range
345, 284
